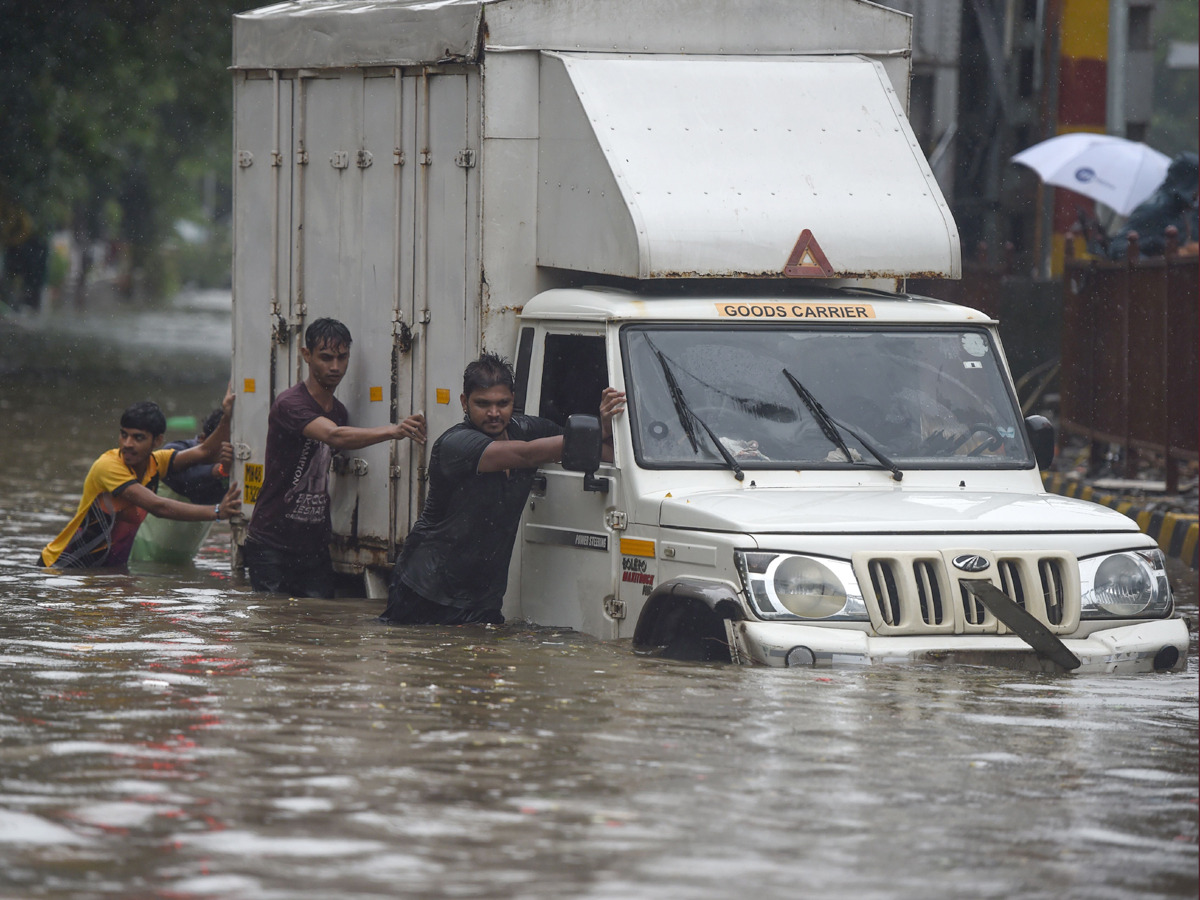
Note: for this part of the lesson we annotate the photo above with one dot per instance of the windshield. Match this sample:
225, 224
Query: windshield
920, 397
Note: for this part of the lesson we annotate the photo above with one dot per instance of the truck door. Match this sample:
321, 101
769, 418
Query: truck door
568, 550
263, 105
445, 254
381, 241
335, 212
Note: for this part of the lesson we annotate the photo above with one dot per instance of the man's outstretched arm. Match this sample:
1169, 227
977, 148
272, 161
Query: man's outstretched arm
346, 437
210, 450
142, 496
502, 455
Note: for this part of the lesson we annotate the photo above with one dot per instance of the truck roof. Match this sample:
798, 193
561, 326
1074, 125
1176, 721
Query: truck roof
603, 304
361, 33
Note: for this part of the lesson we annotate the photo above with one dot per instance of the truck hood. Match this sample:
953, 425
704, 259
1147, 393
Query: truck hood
784, 511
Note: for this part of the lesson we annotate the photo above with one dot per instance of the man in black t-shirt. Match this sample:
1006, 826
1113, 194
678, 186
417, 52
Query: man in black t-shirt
453, 568
287, 543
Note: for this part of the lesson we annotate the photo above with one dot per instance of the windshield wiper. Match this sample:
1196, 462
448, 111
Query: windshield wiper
686, 416
872, 449
830, 426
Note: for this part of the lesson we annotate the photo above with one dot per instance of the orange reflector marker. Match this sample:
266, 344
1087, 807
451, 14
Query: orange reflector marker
808, 260
248, 386
635, 547
376, 394
443, 395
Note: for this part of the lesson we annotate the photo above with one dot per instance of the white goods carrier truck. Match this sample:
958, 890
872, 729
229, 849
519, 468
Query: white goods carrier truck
711, 205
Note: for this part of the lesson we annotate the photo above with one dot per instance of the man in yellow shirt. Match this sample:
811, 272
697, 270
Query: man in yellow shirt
120, 489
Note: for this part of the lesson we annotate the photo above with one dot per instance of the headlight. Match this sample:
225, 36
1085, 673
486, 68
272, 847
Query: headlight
786, 586
1131, 585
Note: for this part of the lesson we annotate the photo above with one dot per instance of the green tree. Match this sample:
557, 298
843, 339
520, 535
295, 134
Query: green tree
112, 113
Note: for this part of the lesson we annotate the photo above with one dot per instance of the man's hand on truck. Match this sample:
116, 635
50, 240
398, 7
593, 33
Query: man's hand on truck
412, 428
612, 403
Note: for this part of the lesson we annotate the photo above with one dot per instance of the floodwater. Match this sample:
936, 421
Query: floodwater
166, 734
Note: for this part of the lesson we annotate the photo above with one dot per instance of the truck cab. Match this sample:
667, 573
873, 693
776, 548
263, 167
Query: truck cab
814, 481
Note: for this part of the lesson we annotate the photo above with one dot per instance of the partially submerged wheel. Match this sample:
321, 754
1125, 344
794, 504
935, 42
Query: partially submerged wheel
685, 619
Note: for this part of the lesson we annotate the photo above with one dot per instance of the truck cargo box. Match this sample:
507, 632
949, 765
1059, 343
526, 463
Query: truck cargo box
421, 170
684, 167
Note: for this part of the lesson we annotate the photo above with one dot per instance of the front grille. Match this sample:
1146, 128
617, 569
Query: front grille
909, 593
1052, 589
974, 612
883, 580
922, 593
1010, 581
929, 591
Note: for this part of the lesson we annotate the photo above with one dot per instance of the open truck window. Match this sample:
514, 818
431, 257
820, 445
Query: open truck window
574, 373
524, 353
928, 398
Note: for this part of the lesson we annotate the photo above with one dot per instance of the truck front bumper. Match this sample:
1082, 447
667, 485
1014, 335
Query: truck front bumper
1123, 650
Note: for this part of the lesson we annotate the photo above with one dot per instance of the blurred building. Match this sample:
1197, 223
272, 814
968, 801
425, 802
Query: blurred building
933, 94
992, 77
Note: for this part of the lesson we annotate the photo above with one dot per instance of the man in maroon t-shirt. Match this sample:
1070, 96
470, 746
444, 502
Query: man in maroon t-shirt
287, 543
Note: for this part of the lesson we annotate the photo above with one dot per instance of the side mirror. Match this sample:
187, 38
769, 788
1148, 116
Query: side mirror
1041, 436
582, 440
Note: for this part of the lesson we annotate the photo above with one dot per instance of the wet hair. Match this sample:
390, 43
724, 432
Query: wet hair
145, 416
328, 332
213, 420
487, 372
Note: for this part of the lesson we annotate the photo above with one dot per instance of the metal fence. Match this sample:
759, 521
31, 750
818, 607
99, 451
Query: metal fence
1128, 334
1130, 374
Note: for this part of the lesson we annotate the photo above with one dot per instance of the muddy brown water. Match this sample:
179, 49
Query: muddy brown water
166, 734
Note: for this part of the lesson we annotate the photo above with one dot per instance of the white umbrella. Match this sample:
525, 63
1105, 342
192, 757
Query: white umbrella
1117, 172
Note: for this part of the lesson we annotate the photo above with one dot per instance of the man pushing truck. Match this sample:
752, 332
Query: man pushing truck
453, 569
120, 490
287, 546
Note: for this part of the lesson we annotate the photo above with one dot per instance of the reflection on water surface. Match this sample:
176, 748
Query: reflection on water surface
166, 734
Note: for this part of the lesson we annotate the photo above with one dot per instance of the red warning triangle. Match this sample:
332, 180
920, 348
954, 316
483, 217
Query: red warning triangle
808, 260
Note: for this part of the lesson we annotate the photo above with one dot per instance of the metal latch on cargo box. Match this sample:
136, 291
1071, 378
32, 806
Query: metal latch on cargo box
340, 159
614, 608
403, 335
364, 159
344, 466
616, 520
426, 158
245, 159
397, 157
241, 451
465, 159
395, 472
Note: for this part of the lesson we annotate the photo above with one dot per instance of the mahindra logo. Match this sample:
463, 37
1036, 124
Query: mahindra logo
969, 562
